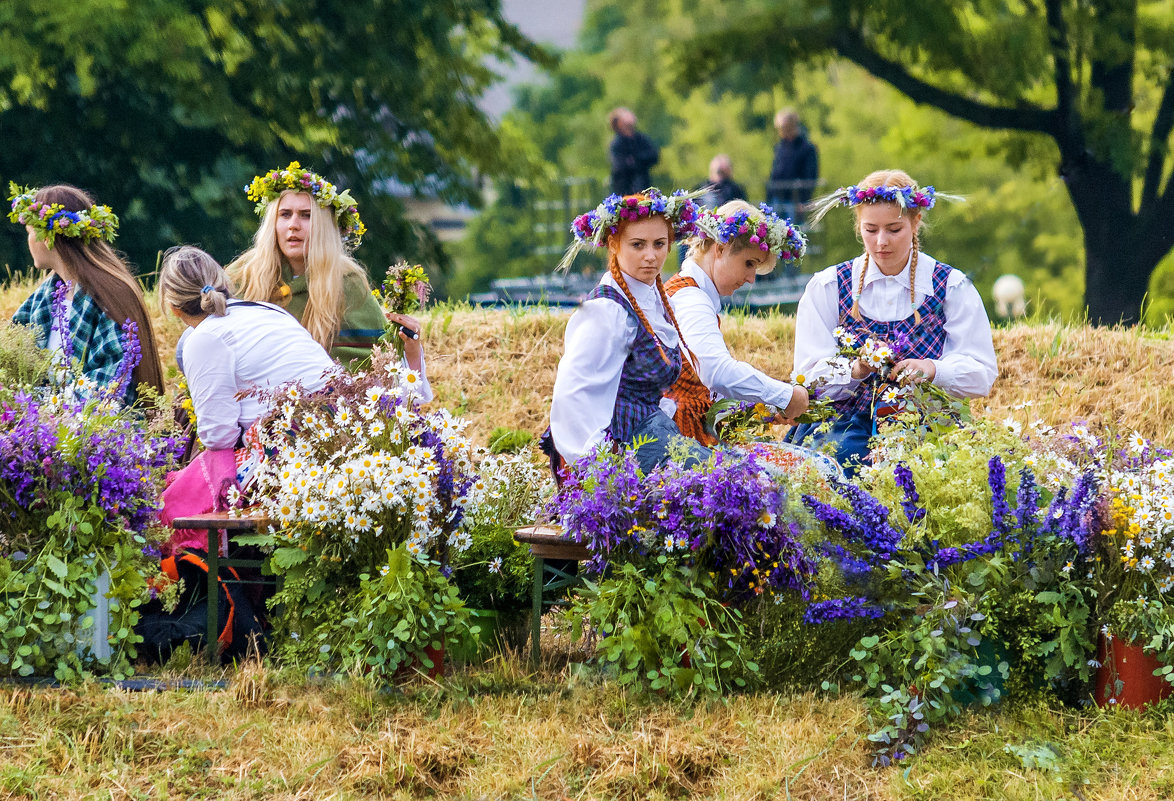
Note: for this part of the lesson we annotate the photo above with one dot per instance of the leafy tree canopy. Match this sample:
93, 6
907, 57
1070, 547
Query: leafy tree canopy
1092, 76
1017, 217
165, 109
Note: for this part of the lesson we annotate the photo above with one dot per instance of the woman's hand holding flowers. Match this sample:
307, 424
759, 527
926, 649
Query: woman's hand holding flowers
913, 371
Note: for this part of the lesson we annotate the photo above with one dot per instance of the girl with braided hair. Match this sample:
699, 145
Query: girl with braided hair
892, 292
735, 245
623, 346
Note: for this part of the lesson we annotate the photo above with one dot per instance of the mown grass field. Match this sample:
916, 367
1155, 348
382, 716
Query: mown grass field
505, 730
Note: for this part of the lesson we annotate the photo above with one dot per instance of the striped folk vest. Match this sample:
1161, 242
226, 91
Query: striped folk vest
645, 375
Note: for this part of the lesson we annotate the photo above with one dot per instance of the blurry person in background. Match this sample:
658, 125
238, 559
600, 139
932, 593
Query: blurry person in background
633, 155
794, 170
721, 187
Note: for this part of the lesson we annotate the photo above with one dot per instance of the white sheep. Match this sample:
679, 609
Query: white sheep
1009, 295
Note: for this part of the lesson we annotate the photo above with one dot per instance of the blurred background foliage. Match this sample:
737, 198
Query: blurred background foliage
164, 109
1018, 217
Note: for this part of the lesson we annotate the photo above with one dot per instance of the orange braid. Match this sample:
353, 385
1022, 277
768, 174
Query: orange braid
668, 310
856, 315
613, 267
912, 281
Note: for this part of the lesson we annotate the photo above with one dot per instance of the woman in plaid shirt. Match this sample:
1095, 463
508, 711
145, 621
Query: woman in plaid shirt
69, 237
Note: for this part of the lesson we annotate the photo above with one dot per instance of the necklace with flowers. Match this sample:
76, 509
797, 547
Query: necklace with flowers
593, 228
51, 220
266, 188
769, 232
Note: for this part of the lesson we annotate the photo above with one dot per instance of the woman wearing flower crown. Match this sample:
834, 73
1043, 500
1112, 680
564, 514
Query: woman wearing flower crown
734, 245
301, 259
623, 347
69, 236
895, 294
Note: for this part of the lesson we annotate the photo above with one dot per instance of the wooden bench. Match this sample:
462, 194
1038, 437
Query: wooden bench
548, 542
214, 523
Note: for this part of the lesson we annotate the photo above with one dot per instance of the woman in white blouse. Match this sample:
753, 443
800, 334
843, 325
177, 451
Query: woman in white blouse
894, 293
233, 346
623, 347
736, 244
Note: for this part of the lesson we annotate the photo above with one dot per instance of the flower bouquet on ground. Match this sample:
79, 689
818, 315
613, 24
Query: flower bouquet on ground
674, 555
976, 571
747, 425
1137, 602
495, 574
357, 475
79, 481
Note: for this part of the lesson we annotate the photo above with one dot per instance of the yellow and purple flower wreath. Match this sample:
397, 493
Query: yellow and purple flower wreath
769, 232
266, 188
51, 220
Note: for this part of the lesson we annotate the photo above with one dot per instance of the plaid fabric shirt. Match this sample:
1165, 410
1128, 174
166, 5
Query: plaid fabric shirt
97, 340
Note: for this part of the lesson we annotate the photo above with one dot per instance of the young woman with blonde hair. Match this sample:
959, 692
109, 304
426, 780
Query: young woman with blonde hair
735, 245
70, 236
893, 292
623, 348
301, 259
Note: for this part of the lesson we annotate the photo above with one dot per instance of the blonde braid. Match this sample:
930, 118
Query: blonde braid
913, 280
856, 315
613, 267
668, 310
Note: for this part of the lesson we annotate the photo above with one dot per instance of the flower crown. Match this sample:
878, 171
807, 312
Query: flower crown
266, 188
51, 220
770, 232
907, 197
593, 228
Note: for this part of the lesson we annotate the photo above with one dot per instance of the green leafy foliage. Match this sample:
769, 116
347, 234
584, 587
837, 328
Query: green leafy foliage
380, 97
660, 628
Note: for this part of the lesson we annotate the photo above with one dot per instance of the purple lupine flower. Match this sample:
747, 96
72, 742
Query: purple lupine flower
904, 478
852, 608
1001, 519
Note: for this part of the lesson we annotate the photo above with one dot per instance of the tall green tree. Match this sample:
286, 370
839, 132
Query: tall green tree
1094, 76
165, 109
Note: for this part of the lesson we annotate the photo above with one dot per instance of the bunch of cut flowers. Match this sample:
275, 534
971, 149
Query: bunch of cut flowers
405, 290
900, 394
357, 474
981, 567
80, 476
674, 554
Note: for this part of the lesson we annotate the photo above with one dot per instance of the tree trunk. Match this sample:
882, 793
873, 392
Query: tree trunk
1116, 278
1117, 268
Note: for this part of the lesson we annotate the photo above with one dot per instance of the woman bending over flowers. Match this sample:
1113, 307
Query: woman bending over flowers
232, 347
623, 347
69, 236
929, 315
735, 244
301, 259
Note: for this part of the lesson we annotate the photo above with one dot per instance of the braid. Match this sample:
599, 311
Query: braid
613, 267
856, 315
913, 281
668, 310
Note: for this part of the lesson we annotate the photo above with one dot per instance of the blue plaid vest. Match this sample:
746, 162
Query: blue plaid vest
645, 375
926, 339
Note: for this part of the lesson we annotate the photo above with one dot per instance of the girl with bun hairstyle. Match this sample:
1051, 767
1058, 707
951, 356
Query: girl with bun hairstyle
735, 244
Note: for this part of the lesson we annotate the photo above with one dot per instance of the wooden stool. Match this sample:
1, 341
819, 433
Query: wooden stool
548, 542
213, 523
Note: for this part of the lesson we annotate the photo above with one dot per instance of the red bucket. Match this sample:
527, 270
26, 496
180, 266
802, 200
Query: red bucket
1126, 675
